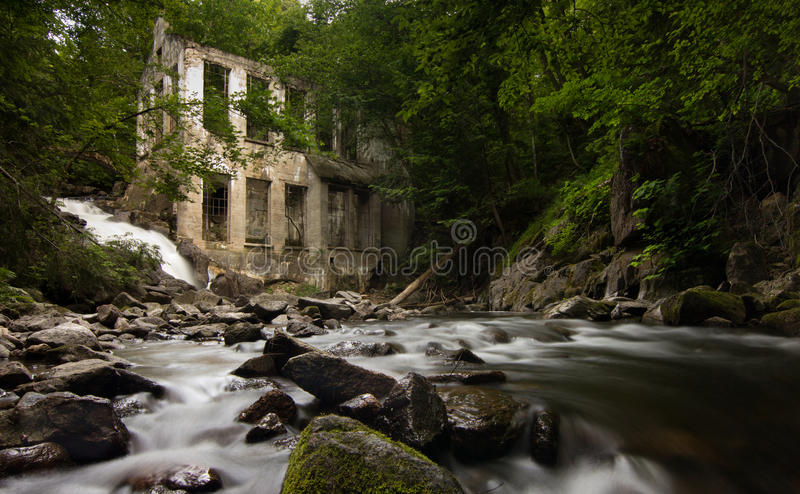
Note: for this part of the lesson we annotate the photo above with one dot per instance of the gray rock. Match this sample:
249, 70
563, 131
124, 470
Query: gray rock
92, 377
108, 314
124, 300
204, 331
266, 310
86, 426
242, 332
334, 380
64, 334
14, 461
13, 374
282, 347
260, 366
364, 408
353, 348
273, 401
484, 422
494, 335
339, 454
580, 307
435, 349
330, 309
413, 413
302, 329
231, 285
267, 428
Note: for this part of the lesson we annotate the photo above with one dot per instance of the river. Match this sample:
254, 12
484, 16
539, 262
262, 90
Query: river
644, 409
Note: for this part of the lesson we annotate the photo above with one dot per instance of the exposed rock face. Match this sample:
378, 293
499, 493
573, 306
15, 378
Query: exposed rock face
413, 412
64, 334
695, 305
282, 347
86, 426
14, 461
267, 428
274, 401
623, 183
338, 454
330, 309
198, 259
544, 437
230, 284
747, 265
353, 348
484, 423
92, 377
260, 366
334, 380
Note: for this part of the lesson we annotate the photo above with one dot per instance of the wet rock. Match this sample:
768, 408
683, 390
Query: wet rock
303, 329
334, 380
786, 321
364, 408
74, 353
287, 443
266, 310
484, 422
130, 406
339, 454
204, 331
544, 438
14, 461
108, 314
353, 348
92, 377
580, 307
695, 305
64, 334
274, 401
282, 347
8, 399
331, 324
13, 374
184, 479
86, 426
494, 335
232, 318
435, 349
470, 377
267, 428
413, 413
252, 383
124, 300
330, 309
260, 366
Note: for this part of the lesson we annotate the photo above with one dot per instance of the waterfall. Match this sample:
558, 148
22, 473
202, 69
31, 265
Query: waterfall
105, 227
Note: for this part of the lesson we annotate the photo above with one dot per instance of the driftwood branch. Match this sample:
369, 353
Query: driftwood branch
414, 285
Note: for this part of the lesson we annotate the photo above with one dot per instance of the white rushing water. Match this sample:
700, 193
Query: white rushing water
105, 227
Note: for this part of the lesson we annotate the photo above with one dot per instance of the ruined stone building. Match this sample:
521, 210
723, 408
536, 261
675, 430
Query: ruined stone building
289, 214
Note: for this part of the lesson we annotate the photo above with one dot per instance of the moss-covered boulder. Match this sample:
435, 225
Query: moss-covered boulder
787, 321
695, 305
338, 454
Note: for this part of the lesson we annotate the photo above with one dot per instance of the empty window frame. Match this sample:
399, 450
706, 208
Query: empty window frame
215, 96
295, 215
257, 219
337, 217
257, 91
215, 208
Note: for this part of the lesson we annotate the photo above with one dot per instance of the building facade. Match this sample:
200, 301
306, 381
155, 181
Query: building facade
288, 214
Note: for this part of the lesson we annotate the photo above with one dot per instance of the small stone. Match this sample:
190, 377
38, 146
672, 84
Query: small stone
364, 408
544, 438
269, 427
194, 479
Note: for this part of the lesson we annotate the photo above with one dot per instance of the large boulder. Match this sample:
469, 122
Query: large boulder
231, 284
579, 307
353, 348
266, 309
241, 332
330, 309
339, 454
108, 314
747, 265
260, 366
484, 422
786, 321
198, 258
334, 380
41, 456
282, 347
413, 413
92, 377
64, 334
695, 305
86, 426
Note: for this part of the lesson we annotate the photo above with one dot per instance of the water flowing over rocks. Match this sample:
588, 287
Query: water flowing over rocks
274, 401
338, 454
42, 456
267, 428
92, 377
545, 437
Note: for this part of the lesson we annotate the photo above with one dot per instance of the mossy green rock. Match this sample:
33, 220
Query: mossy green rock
789, 304
340, 455
788, 321
695, 305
